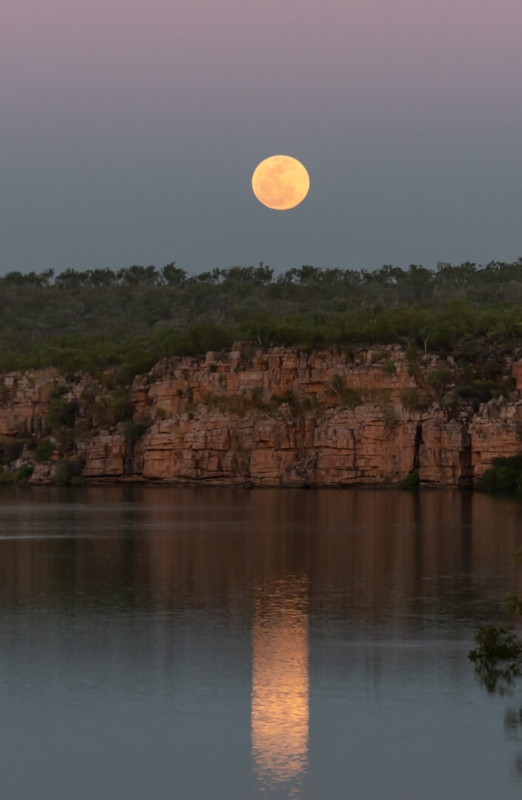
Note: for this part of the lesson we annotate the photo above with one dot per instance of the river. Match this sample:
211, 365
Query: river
239, 644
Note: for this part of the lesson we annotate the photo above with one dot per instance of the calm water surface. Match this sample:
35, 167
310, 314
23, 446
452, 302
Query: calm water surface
198, 643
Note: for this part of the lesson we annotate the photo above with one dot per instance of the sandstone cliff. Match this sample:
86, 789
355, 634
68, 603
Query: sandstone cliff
265, 417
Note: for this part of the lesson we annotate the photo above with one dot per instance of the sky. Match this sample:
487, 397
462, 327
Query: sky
130, 130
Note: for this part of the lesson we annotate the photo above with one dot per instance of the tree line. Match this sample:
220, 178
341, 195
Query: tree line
130, 318
446, 277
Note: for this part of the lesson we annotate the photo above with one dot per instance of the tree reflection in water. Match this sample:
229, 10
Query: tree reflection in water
280, 684
498, 665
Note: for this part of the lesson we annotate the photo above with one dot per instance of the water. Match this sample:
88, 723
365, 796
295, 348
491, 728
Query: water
202, 643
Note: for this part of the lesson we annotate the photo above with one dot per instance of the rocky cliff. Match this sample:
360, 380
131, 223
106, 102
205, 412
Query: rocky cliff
262, 417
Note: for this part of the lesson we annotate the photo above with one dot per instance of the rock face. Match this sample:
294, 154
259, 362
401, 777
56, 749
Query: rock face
276, 417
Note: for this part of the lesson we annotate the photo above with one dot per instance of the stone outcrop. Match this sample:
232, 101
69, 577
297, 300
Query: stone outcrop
275, 417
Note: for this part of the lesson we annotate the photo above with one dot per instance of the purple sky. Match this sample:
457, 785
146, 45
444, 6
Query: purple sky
130, 130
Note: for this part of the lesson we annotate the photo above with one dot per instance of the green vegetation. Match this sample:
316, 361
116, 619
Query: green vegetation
388, 367
132, 431
19, 477
439, 380
503, 477
130, 319
23, 473
43, 451
411, 482
10, 449
68, 472
414, 400
244, 402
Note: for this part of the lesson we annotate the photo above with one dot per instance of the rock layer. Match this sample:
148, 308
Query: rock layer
277, 417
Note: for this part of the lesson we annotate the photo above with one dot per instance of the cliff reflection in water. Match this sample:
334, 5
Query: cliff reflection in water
280, 682
374, 557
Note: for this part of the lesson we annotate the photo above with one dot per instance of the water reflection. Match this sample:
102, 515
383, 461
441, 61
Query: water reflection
280, 684
167, 641
372, 557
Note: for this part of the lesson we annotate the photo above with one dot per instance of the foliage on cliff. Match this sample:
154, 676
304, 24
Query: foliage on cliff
134, 317
504, 476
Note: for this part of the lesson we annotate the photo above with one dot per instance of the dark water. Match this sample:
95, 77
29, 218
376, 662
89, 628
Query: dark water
200, 643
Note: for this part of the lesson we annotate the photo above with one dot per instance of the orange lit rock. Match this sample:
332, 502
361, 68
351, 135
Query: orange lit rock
215, 419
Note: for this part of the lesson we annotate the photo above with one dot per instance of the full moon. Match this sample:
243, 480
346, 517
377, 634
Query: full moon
280, 182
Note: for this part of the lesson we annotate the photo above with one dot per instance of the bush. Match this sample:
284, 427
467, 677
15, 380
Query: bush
478, 392
121, 407
338, 385
20, 477
353, 398
10, 449
44, 450
439, 380
503, 477
61, 413
411, 482
414, 400
68, 472
348, 396
388, 367
23, 474
132, 431
6, 478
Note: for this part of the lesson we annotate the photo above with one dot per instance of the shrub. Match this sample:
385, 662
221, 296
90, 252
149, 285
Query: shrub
439, 380
61, 412
478, 392
414, 400
6, 477
411, 482
246, 360
10, 449
68, 471
389, 415
23, 474
121, 407
20, 477
414, 369
452, 406
388, 367
379, 397
256, 397
338, 385
506, 387
132, 431
44, 450
503, 477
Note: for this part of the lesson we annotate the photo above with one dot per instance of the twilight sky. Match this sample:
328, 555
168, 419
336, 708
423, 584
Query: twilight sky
130, 130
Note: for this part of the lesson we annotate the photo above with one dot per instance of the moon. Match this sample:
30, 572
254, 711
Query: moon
280, 182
